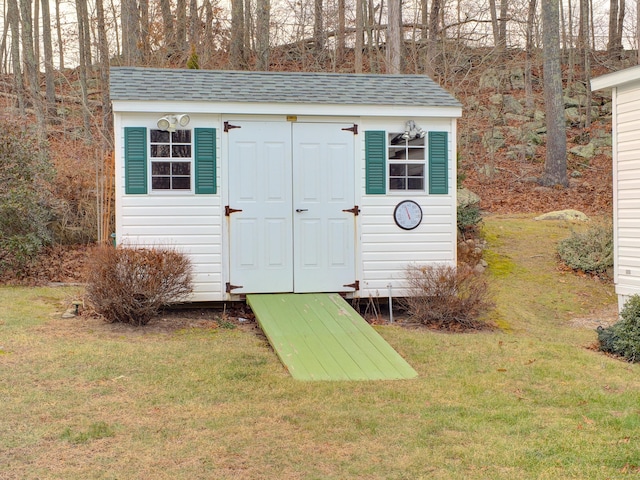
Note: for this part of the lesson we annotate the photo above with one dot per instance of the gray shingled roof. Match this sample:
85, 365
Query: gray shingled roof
156, 84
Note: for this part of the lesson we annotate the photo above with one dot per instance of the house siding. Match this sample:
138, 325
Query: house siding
385, 249
627, 189
190, 223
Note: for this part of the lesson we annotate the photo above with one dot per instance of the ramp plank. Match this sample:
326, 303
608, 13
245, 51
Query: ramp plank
320, 337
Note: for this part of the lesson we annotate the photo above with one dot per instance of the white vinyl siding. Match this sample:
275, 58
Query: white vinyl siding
627, 188
385, 250
193, 224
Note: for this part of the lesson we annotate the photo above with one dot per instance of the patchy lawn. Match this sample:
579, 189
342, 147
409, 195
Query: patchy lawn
190, 397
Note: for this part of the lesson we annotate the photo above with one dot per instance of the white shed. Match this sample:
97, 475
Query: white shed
287, 182
625, 86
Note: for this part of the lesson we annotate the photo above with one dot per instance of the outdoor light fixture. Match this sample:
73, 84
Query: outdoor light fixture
171, 122
413, 131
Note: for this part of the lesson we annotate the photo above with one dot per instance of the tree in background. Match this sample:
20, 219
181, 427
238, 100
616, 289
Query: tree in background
555, 167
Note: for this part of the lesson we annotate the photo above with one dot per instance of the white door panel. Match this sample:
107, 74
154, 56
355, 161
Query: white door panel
323, 187
292, 183
260, 234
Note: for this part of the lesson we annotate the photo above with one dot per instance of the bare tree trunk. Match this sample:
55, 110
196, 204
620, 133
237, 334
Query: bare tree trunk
585, 13
528, 76
502, 35
130, 32
144, 46
3, 44
48, 59
36, 33
81, 10
393, 37
583, 27
555, 167
248, 32
181, 25
318, 30
620, 27
434, 34
494, 23
194, 23
103, 50
208, 23
359, 43
340, 38
30, 64
59, 36
236, 49
168, 27
13, 17
613, 26
263, 16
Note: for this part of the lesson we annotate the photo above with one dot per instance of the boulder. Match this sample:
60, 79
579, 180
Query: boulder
573, 215
467, 197
585, 151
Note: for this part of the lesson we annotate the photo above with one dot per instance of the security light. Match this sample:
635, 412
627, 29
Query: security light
170, 122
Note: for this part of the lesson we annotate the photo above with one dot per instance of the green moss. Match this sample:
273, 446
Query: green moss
499, 265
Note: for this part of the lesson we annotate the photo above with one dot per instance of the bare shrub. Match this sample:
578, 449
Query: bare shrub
446, 297
131, 285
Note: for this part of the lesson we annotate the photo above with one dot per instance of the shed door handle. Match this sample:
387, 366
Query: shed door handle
302, 210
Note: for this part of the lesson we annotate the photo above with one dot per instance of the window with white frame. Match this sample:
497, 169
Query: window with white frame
407, 162
171, 160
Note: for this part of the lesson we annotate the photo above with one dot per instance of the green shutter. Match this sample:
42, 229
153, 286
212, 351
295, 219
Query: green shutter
375, 162
205, 160
438, 164
135, 160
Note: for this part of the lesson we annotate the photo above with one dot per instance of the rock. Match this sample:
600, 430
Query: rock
493, 140
514, 117
496, 99
467, 197
585, 151
490, 79
516, 77
511, 105
572, 115
573, 215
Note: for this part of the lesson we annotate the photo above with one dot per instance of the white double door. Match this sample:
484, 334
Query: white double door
291, 200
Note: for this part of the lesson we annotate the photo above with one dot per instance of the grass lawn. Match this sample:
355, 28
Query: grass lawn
86, 400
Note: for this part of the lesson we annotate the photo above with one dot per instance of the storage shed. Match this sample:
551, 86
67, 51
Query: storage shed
625, 86
287, 182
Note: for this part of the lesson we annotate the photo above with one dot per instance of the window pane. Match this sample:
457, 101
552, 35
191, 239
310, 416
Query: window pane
397, 184
160, 151
416, 183
181, 151
160, 183
160, 168
416, 154
181, 168
415, 170
416, 142
397, 153
181, 183
159, 136
396, 139
181, 136
397, 170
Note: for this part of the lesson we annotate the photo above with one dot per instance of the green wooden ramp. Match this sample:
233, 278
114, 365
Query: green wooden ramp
318, 336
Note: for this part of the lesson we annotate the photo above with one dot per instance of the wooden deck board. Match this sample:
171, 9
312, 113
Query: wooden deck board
320, 337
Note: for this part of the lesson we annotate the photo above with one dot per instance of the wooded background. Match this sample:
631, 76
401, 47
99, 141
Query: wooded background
55, 59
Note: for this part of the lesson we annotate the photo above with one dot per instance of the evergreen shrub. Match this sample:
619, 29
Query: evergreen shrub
623, 337
590, 251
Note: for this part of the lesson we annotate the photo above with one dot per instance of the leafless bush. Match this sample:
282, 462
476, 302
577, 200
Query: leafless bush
131, 285
447, 297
